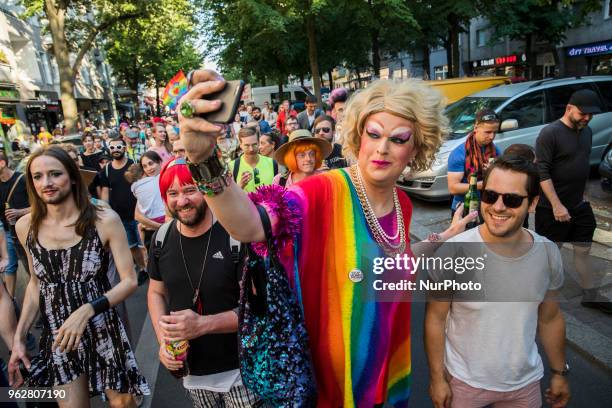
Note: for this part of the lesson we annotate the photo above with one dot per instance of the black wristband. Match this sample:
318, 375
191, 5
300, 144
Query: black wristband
100, 305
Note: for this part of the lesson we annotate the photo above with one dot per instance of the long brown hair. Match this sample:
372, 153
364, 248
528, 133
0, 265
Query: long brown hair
88, 211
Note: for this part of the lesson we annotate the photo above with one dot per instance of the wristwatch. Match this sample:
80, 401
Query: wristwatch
563, 373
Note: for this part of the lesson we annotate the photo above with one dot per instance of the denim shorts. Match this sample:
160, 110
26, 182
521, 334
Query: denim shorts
11, 268
131, 229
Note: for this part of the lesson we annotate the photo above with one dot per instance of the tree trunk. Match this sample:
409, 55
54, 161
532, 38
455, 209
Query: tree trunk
302, 79
313, 56
530, 57
56, 17
449, 55
331, 79
134, 87
376, 52
454, 41
280, 91
157, 97
358, 77
426, 62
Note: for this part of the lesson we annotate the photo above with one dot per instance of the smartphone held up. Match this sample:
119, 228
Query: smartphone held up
230, 99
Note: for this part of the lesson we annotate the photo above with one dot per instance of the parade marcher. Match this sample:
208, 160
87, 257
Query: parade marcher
84, 347
90, 156
337, 102
13, 205
472, 156
264, 126
178, 150
150, 212
8, 324
229, 146
44, 137
483, 352
303, 155
307, 117
268, 143
117, 193
235, 126
387, 130
134, 149
196, 273
173, 135
161, 144
563, 215
251, 169
324, 127
526, 152
291, 125
284, 112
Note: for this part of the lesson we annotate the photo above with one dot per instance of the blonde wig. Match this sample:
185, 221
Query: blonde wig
411, 99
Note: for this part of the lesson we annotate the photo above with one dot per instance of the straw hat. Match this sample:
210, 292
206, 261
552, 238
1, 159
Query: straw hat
298, 136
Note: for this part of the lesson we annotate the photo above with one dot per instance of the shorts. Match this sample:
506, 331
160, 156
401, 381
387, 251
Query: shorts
133, 237
466, 396
578, 230
11, 268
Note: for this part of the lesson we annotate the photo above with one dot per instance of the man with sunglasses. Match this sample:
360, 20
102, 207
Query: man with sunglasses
482, 347
117, 193
563, 149
472, 156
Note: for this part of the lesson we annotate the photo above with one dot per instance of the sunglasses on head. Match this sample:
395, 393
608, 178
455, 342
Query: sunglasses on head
322, 129
116, 147
510, 200
490, 117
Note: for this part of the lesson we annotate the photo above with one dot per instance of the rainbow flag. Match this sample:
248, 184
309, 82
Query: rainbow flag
175, 89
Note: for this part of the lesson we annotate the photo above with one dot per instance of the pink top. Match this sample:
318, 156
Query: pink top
163, 153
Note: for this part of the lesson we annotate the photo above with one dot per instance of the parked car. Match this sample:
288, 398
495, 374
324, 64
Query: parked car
605, 171
295, 93
524, 108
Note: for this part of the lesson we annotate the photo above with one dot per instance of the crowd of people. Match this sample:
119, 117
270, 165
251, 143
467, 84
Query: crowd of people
175, 201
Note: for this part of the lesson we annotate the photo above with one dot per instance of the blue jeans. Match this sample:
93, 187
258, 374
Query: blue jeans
131, 229
11, 269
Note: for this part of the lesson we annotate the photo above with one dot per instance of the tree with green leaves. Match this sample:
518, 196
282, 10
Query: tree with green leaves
151, 49
74, 26
536, 20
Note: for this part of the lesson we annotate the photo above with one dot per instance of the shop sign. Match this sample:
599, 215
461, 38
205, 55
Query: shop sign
590, 49
498, 61
6, 118
9, 93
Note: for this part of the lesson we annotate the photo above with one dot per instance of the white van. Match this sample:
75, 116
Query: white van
294, 93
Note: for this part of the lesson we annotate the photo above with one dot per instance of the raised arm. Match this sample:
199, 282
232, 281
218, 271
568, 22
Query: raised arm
232, 206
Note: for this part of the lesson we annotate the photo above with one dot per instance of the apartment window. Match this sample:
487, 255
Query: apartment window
441, 72
607, 9
480, 38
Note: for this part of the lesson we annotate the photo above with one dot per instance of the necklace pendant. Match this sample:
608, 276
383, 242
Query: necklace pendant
196, 295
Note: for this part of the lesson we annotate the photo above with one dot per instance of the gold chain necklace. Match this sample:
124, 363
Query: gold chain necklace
379, 234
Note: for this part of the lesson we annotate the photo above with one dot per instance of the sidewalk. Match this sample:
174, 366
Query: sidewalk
588, 331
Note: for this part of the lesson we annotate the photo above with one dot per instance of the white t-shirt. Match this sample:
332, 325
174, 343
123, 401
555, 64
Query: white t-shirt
150, 203
490, 344
218, 382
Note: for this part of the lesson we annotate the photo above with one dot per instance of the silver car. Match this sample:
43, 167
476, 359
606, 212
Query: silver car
524, 108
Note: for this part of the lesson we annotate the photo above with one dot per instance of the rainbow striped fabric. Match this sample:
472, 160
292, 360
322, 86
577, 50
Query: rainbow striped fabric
360, 347
175, 89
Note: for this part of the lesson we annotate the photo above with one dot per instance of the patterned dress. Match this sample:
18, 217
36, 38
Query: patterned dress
69, 278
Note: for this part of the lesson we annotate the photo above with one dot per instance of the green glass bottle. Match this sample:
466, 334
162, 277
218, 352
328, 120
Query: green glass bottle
471, 201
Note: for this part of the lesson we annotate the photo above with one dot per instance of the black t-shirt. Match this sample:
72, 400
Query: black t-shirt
121, 198
563, 157
219, 291
19, 199
335, 160
91, 162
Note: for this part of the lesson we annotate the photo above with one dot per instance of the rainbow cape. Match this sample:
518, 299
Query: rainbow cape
360, 347
175, 89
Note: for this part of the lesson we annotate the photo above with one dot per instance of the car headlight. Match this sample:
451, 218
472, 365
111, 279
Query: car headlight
440, 160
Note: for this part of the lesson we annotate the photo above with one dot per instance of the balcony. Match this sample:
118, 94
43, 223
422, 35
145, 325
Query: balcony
6, 73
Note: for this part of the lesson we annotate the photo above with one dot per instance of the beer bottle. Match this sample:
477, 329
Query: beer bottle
471, 202
178, 349
7, 206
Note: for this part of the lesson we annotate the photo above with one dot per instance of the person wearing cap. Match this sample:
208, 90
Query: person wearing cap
251, 169
472, 156
563, 215
303, 155
133, 148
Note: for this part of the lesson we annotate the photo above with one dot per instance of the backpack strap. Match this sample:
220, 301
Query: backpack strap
282, 181
275, 167
236, 168
160, 238
235, 249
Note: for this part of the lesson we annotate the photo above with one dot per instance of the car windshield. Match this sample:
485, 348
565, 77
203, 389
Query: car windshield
462, 113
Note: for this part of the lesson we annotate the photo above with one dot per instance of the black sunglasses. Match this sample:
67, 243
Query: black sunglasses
510, 200
256, 176
489, 117
322, 129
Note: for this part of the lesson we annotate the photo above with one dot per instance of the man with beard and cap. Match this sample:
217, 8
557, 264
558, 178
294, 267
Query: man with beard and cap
195, 269
264, 126
117, 193
563, 149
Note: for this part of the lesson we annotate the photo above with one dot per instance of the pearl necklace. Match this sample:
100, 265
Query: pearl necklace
379, 234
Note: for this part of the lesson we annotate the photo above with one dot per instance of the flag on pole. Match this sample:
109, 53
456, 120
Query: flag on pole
175, 89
